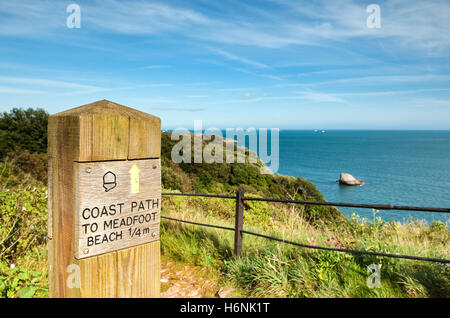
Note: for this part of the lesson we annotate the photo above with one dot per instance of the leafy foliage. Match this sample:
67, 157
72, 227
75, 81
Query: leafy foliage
23, 220
23, 141
25, 129
267, 269
272, 269
17, 281
225, 178
34, 164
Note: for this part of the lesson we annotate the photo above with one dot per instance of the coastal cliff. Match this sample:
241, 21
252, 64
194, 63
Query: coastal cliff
225, 178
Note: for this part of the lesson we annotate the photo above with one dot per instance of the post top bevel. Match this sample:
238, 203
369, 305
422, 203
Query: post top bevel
106, 107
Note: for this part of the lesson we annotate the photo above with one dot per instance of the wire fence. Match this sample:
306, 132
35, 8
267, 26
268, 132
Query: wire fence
239, 222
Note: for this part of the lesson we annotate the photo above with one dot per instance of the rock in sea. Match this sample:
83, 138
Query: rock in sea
348, 179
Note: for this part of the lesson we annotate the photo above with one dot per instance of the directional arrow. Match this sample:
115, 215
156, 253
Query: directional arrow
134, 175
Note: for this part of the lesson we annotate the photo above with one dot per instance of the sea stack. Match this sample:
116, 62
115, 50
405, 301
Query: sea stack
348, 179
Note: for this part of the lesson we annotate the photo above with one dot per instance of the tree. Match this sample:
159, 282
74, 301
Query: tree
23, 129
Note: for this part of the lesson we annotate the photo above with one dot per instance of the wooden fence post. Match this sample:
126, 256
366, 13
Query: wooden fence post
239, 223
104, 202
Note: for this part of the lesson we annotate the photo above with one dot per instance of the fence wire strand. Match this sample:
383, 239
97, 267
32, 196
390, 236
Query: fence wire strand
346, 250
196, 223
352, 251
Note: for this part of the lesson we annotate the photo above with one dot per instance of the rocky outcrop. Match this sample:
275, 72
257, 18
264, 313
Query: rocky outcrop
348, 179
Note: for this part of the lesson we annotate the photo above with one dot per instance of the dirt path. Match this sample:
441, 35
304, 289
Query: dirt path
184, 281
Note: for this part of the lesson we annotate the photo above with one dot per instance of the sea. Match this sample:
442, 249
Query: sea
408, 168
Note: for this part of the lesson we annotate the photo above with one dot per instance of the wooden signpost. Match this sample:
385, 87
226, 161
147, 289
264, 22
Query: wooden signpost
104, 202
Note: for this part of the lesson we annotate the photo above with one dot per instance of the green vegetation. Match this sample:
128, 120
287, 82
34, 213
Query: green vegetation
266, 269
271, 269
23, 229
23, 129
225, 178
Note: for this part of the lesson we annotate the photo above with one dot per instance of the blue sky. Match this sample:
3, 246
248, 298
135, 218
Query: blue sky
272, 64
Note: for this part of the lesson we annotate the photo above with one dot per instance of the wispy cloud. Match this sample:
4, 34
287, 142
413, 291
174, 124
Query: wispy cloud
239, 59
137, 17
250, 96
233, 89
27, 85
203, 54
152, 67
413, 25
428, 102
375, 80
196, 96
246, 96
13, 90
178, 109
263, 75
395, 92
320, 97
25, 18
45, 82
312, 73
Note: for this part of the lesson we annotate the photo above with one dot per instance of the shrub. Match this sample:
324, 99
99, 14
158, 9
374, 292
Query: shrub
25, 129
170, 179
257, 212
23, 221
17, 281
11, 176
33, 163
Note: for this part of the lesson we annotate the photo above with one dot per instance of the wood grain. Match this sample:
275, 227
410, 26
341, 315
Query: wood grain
98, 131
143, 276
117, 205
146, 145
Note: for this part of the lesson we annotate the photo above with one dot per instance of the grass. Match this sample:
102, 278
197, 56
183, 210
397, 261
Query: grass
271, 269
266, 268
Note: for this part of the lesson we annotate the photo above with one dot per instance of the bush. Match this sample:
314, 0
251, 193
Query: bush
25, 129
170, 179
17, 281
34, 164
257, 212
11, 176
23, 221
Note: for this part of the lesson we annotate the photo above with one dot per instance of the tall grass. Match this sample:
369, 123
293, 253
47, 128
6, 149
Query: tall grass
23, 229
272, 269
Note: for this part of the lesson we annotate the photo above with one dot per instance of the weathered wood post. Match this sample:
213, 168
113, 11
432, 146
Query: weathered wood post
238, 222
104, 202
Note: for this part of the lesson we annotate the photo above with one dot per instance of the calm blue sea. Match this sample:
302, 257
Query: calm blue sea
397, 167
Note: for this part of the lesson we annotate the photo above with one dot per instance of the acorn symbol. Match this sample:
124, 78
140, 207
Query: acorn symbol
109, 181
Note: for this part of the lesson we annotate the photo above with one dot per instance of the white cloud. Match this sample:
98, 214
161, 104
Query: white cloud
25, 18
137, 17
26, 85
396, 92
13, 90
319, 97
45, 82
178, 109
246, 96
240, 59
152, 67
196, 96
428, 102
381, 79
413, 25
